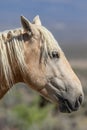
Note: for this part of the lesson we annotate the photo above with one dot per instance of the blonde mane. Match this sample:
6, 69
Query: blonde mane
11, 55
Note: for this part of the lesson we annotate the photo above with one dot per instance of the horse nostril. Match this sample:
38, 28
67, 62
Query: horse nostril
78, 102
80, 99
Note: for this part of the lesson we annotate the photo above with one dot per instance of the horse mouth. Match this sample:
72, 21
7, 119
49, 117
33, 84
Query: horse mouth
51, 93
65, 106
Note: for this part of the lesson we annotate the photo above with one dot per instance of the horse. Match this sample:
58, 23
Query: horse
30, 54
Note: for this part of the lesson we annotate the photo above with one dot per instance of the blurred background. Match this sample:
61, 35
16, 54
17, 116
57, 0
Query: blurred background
22, 108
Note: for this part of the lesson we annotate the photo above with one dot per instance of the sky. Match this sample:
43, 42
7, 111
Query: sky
66, 19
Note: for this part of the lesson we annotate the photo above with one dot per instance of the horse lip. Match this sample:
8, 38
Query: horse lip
64, 108
64, 105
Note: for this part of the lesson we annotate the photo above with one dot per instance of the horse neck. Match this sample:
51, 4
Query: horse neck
11, 70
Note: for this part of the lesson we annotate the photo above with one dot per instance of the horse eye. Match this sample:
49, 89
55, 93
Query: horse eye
55, 54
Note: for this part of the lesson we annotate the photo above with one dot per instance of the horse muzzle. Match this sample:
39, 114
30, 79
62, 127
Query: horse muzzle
67, 101
67, 105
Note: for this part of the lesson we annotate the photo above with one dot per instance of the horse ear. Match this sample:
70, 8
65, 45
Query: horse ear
37, 20
25, 23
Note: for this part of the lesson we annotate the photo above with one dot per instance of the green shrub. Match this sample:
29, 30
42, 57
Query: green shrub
27, 115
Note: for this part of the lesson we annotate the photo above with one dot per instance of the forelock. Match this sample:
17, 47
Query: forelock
47, 36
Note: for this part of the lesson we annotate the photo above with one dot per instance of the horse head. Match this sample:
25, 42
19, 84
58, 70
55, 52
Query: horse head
49, 72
